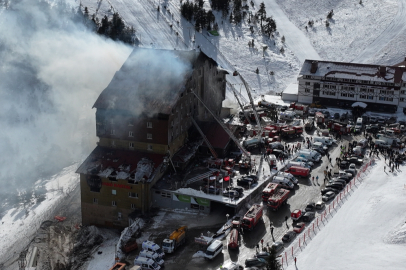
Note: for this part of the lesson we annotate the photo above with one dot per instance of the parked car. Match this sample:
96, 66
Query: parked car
284, 108
310, 207
337, 186
277, 246
338, 180
328, 196
320, 205
263, 255
372, 119
245, 182
258, 262
351, 171
253, 177
288, 236
231, 193
299, 227
279, 153
355, 160
238, 189
305, 160
308, 216
325, 190
352, 166
344, 164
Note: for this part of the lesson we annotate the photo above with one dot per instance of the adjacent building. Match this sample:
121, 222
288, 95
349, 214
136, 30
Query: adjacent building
382, 88
142, 121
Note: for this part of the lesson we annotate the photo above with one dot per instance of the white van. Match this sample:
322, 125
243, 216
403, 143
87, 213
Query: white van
213, 250
289, 176
363, 143
152, 255
287, 115
151, 246
359, 121
320, 146
324, 140
298, 164
382, 143
145, 263
305, 160
283, 182
309, 154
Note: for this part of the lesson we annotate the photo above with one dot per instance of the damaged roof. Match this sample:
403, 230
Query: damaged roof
151, 80
121, 164
354, 71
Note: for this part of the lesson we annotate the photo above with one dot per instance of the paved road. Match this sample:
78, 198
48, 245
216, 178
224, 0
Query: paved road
305, 192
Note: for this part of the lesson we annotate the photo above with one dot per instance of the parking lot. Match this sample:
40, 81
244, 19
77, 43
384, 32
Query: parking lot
306, 191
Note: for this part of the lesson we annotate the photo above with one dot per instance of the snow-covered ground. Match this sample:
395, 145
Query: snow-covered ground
371, 32
367, 232
19, 224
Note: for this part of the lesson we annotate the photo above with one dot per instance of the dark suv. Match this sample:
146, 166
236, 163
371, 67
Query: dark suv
245, 182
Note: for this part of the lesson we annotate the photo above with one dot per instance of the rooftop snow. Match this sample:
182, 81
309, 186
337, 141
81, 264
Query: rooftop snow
353, 71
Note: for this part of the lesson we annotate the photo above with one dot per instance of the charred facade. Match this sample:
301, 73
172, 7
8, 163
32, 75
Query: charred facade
142, 119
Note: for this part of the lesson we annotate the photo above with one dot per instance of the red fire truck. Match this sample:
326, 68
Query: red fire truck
268, 191
233, 239
292, 132
252, 217
299, 107
278, 199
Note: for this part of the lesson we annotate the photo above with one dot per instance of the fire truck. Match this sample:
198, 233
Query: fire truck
233, 239
278, 199
252, 217
299, 107
292, 132
268, 191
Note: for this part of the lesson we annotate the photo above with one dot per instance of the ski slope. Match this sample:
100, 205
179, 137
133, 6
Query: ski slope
296, 40
367, 232
396, 28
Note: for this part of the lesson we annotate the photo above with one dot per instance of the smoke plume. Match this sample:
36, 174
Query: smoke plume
52, 69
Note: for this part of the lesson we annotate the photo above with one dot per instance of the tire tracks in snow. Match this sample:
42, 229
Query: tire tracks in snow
395, 28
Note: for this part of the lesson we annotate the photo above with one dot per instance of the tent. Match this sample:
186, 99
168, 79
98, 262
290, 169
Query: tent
359, 104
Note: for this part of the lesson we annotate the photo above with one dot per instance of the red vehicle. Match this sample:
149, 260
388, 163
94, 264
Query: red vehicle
298, 228
292, 132
296, 215
268, 191
229, 162
233, 239
299, 171
236, 223
299, 107
319, 118
130, 246
252, 217
278, 199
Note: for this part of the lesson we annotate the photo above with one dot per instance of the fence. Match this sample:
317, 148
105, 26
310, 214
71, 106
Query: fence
320, 221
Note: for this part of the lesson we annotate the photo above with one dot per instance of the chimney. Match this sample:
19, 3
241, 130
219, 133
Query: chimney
313, 68
382, 71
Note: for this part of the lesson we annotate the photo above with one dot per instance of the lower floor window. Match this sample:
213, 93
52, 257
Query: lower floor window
113, 203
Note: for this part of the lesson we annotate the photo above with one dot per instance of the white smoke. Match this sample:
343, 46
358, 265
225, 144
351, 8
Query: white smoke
52, 70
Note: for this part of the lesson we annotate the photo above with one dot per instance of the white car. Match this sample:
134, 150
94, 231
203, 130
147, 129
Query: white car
302, 159
352, 166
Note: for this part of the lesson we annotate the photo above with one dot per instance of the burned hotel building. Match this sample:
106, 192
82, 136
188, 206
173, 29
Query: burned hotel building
142, 120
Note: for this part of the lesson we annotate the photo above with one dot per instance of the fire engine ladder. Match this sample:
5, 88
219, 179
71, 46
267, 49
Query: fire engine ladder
239, 102
223, 126
213, 152
253, 105
200, 177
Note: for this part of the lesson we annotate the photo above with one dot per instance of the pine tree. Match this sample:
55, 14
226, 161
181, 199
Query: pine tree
269, 26
261, 13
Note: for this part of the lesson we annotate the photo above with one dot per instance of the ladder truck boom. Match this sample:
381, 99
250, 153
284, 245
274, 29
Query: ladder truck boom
239, 103
223, 126
253, 105
213, 152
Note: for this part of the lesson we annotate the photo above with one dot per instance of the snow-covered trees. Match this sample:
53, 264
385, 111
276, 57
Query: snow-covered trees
270, 26
261, 13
